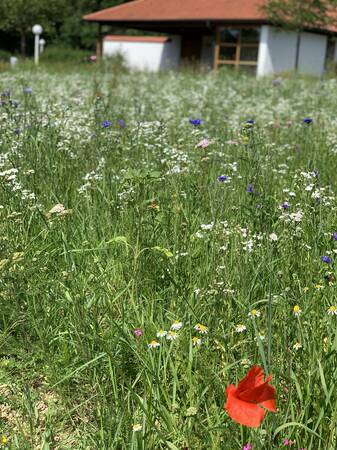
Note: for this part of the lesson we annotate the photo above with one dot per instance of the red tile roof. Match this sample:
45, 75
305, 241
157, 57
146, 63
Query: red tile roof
124, 38
181, 10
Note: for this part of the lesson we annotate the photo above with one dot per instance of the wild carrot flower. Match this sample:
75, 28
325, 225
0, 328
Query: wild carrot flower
297, 346
153, 344
204, 143
240, 328
136, 427
246, 403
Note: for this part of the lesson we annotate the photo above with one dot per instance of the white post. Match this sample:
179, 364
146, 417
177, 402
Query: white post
36, 49
37, 30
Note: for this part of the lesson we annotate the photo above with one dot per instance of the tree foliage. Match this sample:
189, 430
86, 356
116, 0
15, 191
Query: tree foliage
298, 15
61, 19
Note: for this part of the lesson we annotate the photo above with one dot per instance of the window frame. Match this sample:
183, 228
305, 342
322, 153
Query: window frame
237, 62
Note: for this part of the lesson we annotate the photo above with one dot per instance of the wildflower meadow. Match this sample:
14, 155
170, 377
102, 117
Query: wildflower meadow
168, 261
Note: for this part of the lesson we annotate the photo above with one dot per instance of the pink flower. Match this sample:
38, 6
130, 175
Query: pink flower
247, 447
204, 143
138, 332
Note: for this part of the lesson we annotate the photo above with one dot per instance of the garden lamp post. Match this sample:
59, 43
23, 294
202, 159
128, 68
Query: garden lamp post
42, 43
37, 31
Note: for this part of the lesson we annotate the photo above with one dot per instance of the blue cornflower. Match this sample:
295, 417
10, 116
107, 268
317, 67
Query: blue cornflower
106, 123
222, 178
250, 188
307, 121
285, 205
27, 90
17, 131
250, 121
326, 259
334, 236
121, 123
196, 122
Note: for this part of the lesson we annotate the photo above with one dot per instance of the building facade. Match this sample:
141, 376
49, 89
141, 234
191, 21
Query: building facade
214, 34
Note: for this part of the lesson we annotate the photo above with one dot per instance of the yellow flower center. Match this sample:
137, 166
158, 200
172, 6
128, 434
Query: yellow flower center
297, 309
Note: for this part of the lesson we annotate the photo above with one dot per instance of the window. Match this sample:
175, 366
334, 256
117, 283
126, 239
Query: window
237, 47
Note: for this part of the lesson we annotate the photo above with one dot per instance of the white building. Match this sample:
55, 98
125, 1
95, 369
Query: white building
214, 33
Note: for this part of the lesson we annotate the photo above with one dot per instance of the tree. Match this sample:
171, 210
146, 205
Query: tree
21, 15
298, 15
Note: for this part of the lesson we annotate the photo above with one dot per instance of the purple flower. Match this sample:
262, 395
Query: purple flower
307, 121
17, 131
138, 332
250, 188
250, 121
27, 90
247, 447
222, 178
106, 123
121, 123
285, 205
334, 236
326, 259
196, 122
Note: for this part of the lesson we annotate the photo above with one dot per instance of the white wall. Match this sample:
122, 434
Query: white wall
277, 52
312, 53
151, 56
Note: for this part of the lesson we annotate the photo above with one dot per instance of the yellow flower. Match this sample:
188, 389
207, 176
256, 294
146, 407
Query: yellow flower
319, 286
254, 313
4, 440
201, 328
196, 341
332, 311
153, 344
297, 310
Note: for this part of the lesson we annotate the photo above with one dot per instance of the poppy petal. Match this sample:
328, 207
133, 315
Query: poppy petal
254, 378
269, 404
248, 414
258, 394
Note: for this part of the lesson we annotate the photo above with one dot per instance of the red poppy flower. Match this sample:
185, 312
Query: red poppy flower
246, 403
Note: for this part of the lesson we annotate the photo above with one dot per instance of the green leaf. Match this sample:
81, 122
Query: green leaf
164, 251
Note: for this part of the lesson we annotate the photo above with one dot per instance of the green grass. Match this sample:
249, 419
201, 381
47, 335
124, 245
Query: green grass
151, 236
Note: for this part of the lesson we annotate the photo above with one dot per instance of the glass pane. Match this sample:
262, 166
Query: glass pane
229, 36
228, 53
250, 35
249, 53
